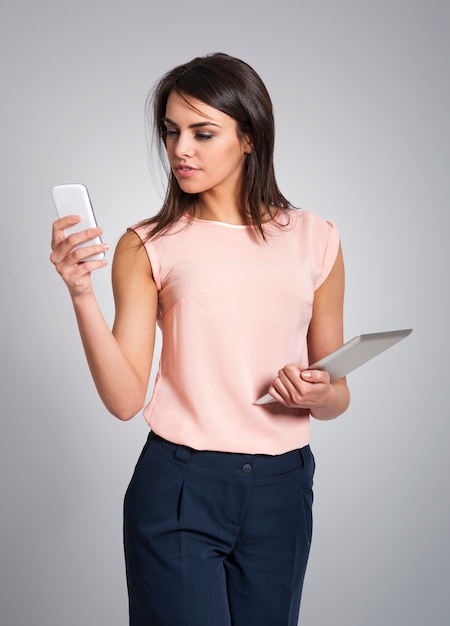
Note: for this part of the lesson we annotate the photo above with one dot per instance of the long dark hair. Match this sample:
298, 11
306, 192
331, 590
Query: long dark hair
233, 87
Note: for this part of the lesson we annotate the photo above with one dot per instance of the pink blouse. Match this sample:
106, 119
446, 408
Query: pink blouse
233, 310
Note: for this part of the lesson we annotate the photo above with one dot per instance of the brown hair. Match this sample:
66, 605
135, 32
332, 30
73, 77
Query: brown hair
233, 87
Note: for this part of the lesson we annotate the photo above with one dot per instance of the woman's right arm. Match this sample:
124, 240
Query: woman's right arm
119, 360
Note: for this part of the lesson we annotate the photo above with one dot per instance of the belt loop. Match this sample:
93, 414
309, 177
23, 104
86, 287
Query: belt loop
301, 456
182, 453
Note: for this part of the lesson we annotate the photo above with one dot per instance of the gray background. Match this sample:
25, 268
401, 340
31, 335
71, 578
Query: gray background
361, 97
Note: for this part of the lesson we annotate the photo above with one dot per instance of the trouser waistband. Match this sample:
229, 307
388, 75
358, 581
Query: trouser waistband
260, 465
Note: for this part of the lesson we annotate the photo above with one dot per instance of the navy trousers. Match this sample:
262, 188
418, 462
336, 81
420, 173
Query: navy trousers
217, 539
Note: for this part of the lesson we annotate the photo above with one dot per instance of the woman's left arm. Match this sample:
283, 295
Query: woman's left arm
311, 389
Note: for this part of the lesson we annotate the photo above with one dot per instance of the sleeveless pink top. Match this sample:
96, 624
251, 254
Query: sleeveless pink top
233, 310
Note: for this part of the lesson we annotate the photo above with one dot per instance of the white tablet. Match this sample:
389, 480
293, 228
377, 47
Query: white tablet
352, 354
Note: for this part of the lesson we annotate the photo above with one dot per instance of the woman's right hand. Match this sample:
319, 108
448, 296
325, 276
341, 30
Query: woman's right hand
69, 262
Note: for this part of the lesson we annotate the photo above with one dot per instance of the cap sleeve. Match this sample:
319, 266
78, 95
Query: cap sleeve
331, 248
151, 253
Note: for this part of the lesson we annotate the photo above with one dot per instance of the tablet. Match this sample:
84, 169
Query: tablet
352, 354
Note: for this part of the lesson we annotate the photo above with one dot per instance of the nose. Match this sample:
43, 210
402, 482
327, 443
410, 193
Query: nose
184, 146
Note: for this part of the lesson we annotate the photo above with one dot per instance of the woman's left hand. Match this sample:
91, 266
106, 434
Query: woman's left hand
298, 387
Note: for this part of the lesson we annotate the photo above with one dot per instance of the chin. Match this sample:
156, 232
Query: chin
190, 187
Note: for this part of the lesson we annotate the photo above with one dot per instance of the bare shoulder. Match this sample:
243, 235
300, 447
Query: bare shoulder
130, 258
131, 269
130, 249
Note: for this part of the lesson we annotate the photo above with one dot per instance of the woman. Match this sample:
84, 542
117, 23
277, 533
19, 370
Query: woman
247, 290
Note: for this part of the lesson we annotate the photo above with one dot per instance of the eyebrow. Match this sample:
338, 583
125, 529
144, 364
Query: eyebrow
196, 125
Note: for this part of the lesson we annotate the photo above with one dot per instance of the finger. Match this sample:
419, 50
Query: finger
87, 267
79, 255
82, 254
277, 391
285, 388
60, 225
315, 376
64, 245
287, 396
67, 220
82, 236
291, 371
65, 256
290, 377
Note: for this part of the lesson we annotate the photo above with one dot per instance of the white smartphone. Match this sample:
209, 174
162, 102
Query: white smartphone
74, 200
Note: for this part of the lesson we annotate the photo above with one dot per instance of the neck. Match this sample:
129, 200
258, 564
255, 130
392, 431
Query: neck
219, 210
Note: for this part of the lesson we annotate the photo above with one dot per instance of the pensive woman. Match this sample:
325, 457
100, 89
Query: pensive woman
247, 290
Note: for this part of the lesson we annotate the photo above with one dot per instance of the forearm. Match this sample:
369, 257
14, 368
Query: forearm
120, 387
334, 404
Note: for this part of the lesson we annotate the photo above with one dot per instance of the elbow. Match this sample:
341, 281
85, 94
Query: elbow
327, 416
123, 400
123, 416
125, 412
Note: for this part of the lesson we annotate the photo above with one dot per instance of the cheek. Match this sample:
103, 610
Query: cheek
233, 154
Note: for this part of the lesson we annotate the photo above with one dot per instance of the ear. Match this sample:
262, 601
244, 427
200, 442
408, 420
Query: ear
247, 144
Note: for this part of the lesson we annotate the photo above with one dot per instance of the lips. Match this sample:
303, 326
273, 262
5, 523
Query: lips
185, 171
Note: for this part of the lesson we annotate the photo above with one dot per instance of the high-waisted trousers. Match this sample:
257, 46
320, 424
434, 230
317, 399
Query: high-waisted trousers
215, 538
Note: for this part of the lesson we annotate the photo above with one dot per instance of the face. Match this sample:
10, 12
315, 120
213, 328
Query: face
204, 150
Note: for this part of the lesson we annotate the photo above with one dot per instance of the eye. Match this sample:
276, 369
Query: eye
203, 136
170, 132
